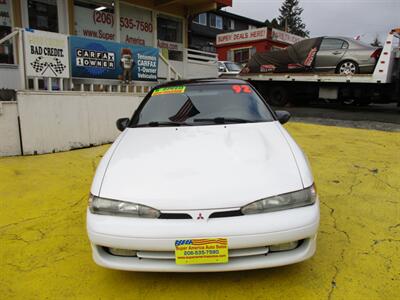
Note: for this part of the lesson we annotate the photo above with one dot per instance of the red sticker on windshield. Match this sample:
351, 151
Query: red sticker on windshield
237, 89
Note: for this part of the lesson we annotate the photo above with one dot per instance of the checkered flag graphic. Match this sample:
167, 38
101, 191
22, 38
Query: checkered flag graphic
57, 66
38, 65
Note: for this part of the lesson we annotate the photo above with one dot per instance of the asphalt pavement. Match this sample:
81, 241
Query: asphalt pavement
375, 116
45, 253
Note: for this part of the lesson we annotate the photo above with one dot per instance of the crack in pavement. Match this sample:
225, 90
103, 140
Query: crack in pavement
388, 260
352, 187
374, 172
393, 226
348, 240
19, 222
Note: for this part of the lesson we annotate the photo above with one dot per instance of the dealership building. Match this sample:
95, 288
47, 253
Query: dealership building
70, 68
161, 24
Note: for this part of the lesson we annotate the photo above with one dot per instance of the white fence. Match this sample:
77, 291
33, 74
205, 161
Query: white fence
53, 122
9, 133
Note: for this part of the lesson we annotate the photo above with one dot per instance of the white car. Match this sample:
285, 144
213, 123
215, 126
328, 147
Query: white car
228, 69
203, 178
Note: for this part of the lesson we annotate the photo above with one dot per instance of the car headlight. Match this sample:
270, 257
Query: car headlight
102, 206
300, 198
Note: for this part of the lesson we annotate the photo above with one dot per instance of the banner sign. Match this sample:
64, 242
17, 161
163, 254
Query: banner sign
109, 60
242, 36
285, 37
93, 23
46, 54
135, 24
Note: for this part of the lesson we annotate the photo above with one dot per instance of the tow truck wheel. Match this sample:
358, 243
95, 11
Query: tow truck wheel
278, 96
348, 67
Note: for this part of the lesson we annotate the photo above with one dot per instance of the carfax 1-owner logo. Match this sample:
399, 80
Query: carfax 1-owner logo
95, 62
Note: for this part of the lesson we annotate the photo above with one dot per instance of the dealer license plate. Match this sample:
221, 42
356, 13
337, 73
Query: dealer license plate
201, 251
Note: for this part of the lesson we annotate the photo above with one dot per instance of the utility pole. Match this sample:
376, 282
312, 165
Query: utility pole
286, 25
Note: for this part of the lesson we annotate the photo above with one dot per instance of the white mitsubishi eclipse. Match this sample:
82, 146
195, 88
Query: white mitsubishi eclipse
203, 178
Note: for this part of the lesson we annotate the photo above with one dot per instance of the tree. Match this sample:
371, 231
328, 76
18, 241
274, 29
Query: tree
376, 42
290, 19
273, 24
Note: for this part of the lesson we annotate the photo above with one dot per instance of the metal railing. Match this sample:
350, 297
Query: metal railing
197, 56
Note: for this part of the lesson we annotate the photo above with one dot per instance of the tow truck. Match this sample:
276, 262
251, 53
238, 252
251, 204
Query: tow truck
382, 86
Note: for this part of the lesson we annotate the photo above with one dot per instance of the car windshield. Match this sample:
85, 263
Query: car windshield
202, 105
232, 66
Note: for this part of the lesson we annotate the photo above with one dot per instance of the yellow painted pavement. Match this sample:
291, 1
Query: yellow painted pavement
45, 254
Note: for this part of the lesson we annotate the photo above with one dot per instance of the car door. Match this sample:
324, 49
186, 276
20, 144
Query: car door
330, 53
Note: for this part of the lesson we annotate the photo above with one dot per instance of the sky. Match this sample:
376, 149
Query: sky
367, 18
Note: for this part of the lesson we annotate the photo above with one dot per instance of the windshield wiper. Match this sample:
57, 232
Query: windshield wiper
166, 123
222, 120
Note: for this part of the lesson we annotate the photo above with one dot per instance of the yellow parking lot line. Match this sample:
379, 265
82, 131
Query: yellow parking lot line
45, 253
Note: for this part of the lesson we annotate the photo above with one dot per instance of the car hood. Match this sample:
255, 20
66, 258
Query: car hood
201, 167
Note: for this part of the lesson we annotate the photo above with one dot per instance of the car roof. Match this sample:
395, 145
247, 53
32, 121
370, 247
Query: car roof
202, 81
351, 41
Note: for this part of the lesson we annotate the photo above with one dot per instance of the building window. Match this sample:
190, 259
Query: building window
43, 15
252, 27
170, 36
215, 21
232, 24
6, 48
169, 29
243, 55
201, 19
94, 19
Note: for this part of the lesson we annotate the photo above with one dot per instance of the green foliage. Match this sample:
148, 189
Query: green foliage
273, 24
290, 18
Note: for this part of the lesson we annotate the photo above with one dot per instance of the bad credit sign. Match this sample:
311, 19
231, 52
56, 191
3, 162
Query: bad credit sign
46, 54
242, 36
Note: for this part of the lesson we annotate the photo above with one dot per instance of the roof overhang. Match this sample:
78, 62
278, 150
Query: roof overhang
194, 7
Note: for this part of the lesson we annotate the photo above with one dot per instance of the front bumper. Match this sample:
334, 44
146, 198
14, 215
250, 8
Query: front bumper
244, 232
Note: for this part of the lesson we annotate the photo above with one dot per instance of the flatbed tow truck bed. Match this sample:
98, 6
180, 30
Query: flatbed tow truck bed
382, 86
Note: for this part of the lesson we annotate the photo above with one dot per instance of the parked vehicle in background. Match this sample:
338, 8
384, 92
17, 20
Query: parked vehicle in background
346, 56
228, 68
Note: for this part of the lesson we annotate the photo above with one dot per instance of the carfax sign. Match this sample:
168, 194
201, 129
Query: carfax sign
46, 54
92, 58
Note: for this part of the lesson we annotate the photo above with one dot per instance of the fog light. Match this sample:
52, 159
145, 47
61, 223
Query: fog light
283, 247
122, 252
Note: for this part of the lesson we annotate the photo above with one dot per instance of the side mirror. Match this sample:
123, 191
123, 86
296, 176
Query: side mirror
283, 116
221, 69
122, 123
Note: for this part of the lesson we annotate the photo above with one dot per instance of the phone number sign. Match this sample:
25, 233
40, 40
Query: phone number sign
135, 24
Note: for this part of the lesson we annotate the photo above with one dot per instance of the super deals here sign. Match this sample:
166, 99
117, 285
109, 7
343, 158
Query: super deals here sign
46, 54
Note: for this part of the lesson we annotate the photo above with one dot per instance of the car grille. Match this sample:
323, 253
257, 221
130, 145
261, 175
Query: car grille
174, 216
217, 214
232, 253
226, 214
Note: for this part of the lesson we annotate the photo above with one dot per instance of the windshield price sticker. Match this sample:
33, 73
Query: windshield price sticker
237, 89
169, 90
201, 251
